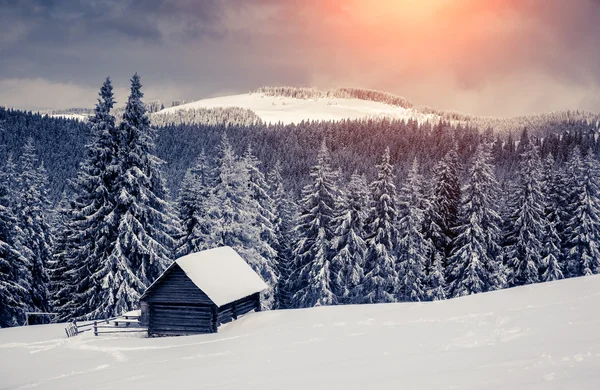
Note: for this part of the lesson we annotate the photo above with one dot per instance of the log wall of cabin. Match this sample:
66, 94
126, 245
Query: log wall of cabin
233, 310
176, 287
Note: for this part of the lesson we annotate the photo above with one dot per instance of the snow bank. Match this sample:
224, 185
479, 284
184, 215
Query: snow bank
535, 337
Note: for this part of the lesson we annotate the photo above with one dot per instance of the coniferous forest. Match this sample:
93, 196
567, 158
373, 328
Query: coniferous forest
350, 212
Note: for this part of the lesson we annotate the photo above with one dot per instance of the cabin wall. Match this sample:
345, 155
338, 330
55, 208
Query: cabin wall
170, 319
176, 287
232, 311
176, 306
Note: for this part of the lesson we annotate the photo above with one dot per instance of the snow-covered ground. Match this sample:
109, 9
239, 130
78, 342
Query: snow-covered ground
274, 109
537, 337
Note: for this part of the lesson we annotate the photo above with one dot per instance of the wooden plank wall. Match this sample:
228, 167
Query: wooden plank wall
231, 311
167, 319
176, 287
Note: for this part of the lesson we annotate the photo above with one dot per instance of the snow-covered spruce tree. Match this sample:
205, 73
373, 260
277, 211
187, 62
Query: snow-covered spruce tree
233, 216
413, 249
143, 220
14, 267
192, 205
583, 228
552, 256
349, 247
441, 216
33, 222
380, 281
264, 214
60, 287
474, 265
283, 226
527, 222
312, 275
435, 282
90, 230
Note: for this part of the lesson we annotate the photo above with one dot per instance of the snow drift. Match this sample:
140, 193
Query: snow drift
535, 337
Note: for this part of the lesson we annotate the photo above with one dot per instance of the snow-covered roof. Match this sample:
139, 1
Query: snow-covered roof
221, 273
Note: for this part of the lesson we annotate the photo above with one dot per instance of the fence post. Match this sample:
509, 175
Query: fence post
95, 328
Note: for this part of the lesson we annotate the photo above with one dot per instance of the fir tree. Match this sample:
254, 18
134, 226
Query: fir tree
233, 216
91, 226
14, 267
33, 222
264, 215
349, 245
312, 275
122, 211
441, 217
414, 249
527, 222
381, 279
474, 265
60, 288
284, 217
583, 228
192, 205
435, 283
552, 257
145, 222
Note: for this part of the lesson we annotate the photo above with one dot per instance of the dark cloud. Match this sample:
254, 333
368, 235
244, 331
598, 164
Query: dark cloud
500, 57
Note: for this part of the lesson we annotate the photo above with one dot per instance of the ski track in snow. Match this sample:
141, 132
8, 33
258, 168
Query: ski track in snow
536, 337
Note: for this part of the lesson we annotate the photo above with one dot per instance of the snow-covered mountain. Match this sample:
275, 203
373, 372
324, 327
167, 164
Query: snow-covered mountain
293, 105
535, 337
274, 109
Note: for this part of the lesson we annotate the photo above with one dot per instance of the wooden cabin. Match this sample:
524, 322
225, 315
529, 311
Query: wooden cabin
199, 292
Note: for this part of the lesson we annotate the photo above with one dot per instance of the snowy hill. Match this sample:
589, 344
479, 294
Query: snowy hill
295, 104
535, 337
274, 109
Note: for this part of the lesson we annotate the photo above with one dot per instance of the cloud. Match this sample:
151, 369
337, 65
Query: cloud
497, 57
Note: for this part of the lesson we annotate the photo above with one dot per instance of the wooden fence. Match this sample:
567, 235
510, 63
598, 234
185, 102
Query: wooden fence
119, 324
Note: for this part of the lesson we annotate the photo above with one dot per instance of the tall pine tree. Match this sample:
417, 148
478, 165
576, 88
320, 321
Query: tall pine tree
14, 267
33, 221
349, 245
441, 216
380, 282
92, 222
474, 266
283, 225
414, 249
192, 205
583, 228
145, 221
264, 215
312, 275
233, 216
527, 222
552, 256
61, 282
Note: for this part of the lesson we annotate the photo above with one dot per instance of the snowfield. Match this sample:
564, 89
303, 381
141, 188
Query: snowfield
536, 337
274, 109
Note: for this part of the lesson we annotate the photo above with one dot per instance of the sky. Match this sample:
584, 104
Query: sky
495, 57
